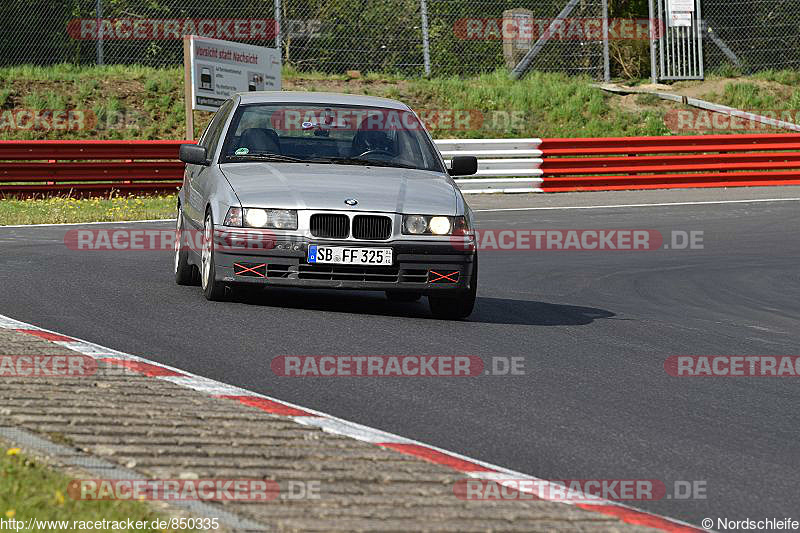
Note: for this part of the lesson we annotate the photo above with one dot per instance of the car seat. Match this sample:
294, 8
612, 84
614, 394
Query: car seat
260, 140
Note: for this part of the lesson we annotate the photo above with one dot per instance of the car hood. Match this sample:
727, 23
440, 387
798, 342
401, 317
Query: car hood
323, 186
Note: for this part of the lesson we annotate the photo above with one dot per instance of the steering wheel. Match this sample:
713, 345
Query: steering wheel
377, 151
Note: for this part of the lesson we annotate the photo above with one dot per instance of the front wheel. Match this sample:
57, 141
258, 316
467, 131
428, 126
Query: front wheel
460, 306
212, 289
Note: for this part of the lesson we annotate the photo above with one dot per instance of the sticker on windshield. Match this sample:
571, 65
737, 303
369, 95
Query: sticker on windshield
242, 151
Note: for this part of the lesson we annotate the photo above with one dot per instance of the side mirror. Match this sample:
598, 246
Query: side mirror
463, 165
193, 154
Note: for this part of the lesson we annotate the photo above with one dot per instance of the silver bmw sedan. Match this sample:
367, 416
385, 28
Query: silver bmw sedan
321, 190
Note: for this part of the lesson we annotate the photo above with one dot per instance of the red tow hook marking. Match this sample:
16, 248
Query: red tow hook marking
252, 269
448, 277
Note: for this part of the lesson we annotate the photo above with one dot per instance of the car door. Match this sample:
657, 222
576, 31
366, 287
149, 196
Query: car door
196, 176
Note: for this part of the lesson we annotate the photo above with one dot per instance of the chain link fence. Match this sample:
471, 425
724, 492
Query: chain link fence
60, 31
752, 35
409, 37
462, 37
456, 49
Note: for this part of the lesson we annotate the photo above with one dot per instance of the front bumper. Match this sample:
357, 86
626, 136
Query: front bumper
427, 267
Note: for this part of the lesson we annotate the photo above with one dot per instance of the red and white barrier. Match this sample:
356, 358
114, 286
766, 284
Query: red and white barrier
504, 165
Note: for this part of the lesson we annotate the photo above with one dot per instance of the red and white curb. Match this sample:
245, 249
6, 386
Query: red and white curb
469, 467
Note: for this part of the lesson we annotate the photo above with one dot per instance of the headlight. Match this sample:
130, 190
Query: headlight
434, 225
415, 224
262, 218
439, 225
256, 218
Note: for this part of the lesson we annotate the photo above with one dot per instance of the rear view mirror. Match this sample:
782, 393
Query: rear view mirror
193, 154
463, 165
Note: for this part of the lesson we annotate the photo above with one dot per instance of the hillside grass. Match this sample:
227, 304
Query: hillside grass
30, 490
134, 102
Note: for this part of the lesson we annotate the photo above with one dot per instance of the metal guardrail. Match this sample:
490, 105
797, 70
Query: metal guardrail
670, 162
89, 167
504, 165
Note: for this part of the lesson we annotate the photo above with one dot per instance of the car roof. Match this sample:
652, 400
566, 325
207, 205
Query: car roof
301, 97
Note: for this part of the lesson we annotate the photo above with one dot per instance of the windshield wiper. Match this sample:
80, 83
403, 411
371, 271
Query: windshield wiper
357, 161
278, 158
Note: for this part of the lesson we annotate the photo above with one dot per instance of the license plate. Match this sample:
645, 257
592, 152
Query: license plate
349, 256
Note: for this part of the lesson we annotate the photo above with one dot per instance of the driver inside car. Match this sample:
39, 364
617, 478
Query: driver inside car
373, 141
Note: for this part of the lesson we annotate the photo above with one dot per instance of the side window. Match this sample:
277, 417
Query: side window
204, 137
209, 127
210, 138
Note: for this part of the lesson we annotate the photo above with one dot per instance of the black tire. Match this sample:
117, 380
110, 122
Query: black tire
403, 296
184, 271
213, 290
460, 306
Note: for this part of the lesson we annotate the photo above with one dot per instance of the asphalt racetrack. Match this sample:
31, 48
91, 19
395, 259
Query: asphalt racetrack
594, 329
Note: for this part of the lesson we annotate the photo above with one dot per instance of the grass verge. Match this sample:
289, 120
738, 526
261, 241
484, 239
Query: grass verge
57, 210
29, 490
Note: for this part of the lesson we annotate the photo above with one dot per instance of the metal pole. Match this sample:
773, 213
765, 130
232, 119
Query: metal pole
278, 27
98, 13
653, 69
700, 35
606, 60
426, 46
690, 46
526, 61
187, 86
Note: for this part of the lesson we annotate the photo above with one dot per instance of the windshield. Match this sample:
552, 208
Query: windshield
329, 134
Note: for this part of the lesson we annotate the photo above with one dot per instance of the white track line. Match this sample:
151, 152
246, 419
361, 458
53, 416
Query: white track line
618, 206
